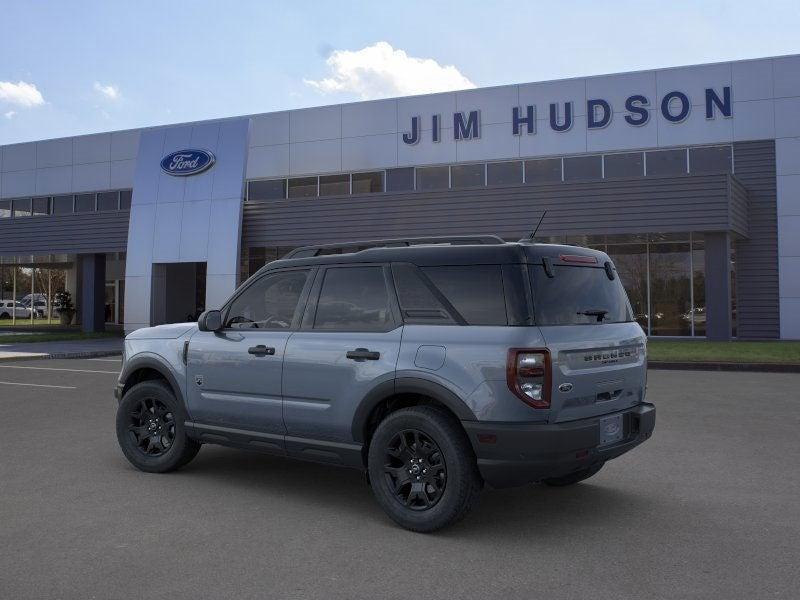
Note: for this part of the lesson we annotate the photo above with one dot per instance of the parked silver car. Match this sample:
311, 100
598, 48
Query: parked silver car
434, 365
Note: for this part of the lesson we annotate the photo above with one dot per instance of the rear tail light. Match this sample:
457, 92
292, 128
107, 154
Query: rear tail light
528, 375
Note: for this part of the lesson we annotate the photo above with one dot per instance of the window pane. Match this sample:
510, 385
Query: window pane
670, 289
125, 199
22, 207
272, 189
62, 205
631, 263
108, 201
433, 178
565, 298
624, 165
41, 206
353, 298
367, 183
543, 171
666, 162
270, 303
303, 187
400, 180
84, 202
476, 292
715, 159
468, 175
504, 173
699, 284
417, 302
5, 209
577, 168
334, 185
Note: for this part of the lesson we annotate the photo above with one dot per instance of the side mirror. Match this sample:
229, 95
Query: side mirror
210, 320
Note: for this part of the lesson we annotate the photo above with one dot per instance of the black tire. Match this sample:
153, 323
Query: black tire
150, 428
445, 483
573, 478
5, 315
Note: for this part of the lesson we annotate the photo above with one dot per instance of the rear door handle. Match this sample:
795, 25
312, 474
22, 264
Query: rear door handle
363, 354
261, 350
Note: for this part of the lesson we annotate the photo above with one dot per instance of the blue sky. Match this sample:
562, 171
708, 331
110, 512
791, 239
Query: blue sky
69, 68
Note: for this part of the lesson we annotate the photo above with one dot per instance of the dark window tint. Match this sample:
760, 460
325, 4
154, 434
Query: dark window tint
418, 302
125, 199
574, 291
400, 180
62, 205
355, 299
270, 303
272, 189
5, 209
504, 173
666, 162
476, 292
543, 171
84, 202
713, 159
578, 168
303, 187
468, 175
41, 205
108, 201
433, 178
334, 185
22, 207
367, 183
630, 164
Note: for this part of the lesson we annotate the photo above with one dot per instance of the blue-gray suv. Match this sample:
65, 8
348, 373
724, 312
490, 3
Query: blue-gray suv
434, 365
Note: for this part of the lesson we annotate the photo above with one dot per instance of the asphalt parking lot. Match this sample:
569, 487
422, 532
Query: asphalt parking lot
706, 509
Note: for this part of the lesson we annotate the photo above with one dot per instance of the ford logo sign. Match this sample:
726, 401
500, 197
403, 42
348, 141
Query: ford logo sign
565, 387
187, 162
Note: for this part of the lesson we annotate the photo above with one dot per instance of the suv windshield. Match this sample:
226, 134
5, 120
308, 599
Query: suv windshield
578, 296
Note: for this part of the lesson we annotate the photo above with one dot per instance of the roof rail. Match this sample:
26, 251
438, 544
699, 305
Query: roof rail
310, 251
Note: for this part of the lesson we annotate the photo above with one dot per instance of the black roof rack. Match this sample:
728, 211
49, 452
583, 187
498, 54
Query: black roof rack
310, 251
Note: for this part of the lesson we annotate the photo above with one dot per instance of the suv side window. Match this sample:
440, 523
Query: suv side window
353, 299
269, 303
476, 291
420, 302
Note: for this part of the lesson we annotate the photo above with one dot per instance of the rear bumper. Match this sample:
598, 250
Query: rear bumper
527, 452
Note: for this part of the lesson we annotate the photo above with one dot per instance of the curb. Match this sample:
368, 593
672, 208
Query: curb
724, 366
58, 355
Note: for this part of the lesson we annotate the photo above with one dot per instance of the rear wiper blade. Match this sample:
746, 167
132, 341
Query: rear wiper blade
599, 313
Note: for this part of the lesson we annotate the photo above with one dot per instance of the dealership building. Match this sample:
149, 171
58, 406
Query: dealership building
688, 177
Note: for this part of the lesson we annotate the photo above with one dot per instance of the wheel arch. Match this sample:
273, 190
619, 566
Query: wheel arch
146, 368
400, 393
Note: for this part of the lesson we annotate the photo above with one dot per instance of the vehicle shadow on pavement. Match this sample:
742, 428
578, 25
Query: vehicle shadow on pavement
545, 510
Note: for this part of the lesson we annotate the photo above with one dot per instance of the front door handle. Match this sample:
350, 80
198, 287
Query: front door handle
261, 350
363, 354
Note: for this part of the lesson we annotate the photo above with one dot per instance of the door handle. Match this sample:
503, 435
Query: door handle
261, 350
363, 354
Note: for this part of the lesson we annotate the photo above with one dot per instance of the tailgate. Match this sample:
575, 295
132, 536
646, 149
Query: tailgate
596, 369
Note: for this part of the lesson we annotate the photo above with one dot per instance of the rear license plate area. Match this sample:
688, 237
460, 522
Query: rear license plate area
612, 429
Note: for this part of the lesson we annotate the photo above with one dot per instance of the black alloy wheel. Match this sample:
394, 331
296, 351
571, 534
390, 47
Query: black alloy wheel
415, 469
151, 426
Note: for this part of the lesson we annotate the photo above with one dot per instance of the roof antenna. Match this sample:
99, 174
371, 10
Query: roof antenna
533, 233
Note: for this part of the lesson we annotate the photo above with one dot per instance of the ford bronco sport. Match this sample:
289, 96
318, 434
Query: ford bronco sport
434, 365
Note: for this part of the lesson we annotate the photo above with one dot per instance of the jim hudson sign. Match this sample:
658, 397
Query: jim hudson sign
674, 106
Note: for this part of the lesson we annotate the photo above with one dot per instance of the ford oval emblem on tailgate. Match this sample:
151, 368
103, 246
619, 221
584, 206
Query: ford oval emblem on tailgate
565, 387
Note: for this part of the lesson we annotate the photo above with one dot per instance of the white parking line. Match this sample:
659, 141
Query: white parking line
116, 360
61, 387
58, 369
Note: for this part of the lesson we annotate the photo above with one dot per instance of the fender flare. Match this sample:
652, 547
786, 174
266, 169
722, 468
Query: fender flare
154, 362
407, 385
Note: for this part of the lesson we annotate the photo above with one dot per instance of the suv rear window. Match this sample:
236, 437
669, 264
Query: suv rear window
577, 296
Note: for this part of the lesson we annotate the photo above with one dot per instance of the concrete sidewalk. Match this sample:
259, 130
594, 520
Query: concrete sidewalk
67, 349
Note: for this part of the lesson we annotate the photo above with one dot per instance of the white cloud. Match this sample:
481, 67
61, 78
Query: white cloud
10, 114
20, 93
109, 91
380, 71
